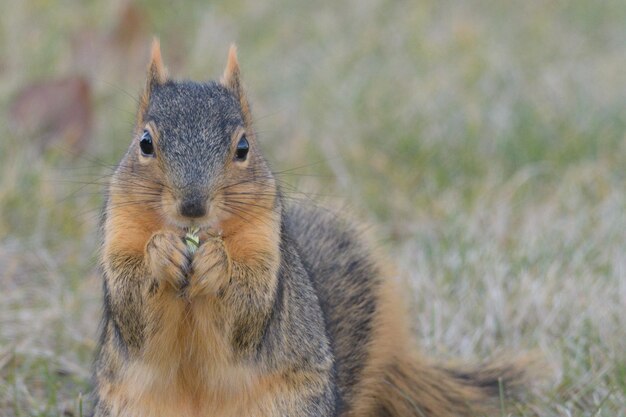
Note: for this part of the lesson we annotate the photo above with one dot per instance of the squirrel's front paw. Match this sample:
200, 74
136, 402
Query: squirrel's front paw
210, 269
168, 259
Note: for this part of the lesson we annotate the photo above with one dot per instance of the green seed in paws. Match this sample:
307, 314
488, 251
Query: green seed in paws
192, 240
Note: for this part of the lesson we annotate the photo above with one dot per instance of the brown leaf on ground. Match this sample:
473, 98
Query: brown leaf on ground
119, 53
130, 30
55, 112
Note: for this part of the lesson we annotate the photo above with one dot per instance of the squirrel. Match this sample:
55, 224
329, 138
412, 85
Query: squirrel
282, 310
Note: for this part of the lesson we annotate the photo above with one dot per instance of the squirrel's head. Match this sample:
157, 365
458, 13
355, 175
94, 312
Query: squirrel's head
194, 157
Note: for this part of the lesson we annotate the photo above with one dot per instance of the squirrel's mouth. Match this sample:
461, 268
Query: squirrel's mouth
194, 213
204, 226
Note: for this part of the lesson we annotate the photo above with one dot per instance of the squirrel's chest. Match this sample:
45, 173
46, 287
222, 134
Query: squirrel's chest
187, 370
147, 391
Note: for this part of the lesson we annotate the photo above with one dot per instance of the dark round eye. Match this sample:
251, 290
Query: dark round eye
145, 143
242, 149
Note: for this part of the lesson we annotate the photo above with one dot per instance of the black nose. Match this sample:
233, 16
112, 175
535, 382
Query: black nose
193, 207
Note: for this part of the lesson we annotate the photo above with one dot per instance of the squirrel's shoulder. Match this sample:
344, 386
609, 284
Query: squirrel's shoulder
326, 229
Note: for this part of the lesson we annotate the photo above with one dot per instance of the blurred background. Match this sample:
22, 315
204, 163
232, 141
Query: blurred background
483, 140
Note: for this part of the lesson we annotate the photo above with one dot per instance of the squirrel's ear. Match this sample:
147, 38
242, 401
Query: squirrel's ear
157, 74
232, 80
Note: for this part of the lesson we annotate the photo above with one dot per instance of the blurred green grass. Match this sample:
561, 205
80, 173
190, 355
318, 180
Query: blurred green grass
484, 140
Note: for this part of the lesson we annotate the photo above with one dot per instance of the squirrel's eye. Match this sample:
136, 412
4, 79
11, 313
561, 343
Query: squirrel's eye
242, 149
145, 143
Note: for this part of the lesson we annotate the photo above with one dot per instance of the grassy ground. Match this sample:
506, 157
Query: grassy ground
484, 141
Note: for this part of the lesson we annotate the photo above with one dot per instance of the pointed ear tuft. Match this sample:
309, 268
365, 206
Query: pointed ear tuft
231, 77
232, 80
157, 74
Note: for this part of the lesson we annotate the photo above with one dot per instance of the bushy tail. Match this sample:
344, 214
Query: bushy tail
414, 388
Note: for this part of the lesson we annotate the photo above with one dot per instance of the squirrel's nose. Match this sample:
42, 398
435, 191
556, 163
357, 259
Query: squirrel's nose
193, 207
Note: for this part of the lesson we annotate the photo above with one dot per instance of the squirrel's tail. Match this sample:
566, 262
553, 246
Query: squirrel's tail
412, 387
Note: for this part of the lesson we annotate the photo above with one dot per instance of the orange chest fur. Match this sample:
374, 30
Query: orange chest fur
188, 370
